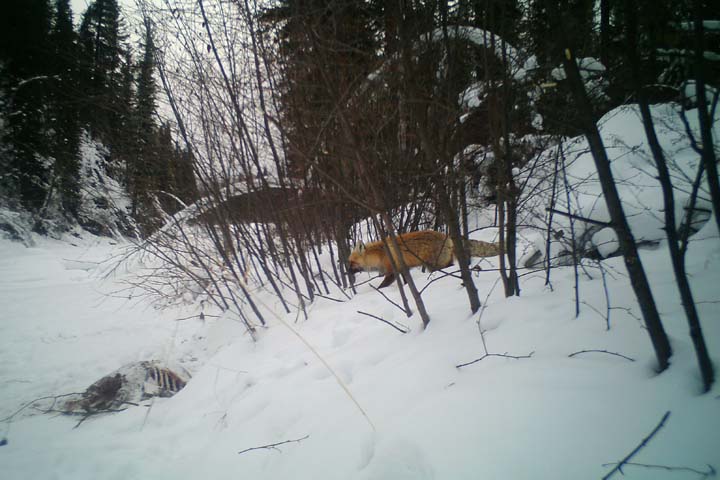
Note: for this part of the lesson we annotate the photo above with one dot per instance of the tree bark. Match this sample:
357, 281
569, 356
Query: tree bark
676, 254
638, 279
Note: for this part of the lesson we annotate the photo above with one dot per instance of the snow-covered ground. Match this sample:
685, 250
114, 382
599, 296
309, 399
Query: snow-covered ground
548, 416
66, 321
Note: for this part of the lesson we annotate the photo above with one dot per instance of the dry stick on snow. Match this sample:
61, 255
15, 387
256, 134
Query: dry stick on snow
201, 316
482, 333
330, 298
406, 329
484, 307
601, 351
340, 288
515, 357
440, 277
273, 446
55, 398
630, 313
388, 299
358, 284
710, 472
618, 467
87, 415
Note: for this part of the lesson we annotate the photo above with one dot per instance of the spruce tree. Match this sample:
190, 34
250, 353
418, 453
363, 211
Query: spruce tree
146, 170
542, 28
322, 42
65, 110
101, 42
26, 80
124, 142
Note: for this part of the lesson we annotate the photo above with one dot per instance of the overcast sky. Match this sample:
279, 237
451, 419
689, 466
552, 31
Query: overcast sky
79, 7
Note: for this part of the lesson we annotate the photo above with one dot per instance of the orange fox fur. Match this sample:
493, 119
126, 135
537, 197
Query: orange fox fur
426, 248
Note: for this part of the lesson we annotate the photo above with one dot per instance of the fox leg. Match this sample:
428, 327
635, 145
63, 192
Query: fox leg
389, 278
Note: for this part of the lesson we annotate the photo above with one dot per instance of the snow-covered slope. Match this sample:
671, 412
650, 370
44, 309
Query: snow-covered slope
548, 416
66, 320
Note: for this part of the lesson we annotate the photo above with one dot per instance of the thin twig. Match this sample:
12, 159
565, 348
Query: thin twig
201, 316
407, 330
389, 300
628, 311
601, 351
330, 298
618, 467
444, 275
607, 296
32, 402
505, 355
482, 310
273, 446
573, 238
591, 307
340, 288
710, 473
578, 217
97, 412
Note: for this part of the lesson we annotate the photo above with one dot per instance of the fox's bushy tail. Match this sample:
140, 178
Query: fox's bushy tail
478, 248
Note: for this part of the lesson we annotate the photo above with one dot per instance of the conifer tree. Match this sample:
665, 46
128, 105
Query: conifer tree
65, 109
101, 42
500, 16
124, 144
24, 55
146, 168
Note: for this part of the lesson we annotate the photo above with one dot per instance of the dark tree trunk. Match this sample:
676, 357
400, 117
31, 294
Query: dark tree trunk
605, 32
460, 252
676, 255
638, 279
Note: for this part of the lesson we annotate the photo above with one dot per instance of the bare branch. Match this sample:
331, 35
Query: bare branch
273, 446
578, 217
709, 473
601, 351
505, 355
401, 330
388, 299
618, 467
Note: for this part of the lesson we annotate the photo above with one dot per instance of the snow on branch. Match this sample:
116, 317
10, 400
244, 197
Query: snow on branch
713, 25
24, 82
490, 41
519, 62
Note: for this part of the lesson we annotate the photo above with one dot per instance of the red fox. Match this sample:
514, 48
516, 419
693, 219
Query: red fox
426, 248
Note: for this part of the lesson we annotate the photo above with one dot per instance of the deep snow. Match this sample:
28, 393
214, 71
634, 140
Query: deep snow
66, 320
548, 416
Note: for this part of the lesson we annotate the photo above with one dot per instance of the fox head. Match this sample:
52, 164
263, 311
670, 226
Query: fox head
357, 259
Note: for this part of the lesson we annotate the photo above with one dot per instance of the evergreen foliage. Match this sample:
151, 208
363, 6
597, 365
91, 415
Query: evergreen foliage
102, 43
360, 79
56, 82
65, 105
24, 50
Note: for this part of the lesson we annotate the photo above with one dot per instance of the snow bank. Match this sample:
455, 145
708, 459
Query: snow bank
635, 177
547, 416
